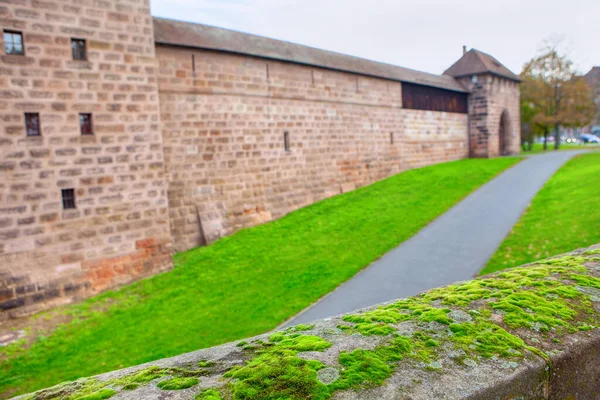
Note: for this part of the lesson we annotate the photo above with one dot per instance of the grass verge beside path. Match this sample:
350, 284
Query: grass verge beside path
564, 215
538, 148
247, 283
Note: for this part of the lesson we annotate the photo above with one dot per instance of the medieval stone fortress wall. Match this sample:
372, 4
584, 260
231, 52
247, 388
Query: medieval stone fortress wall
243, 147
124, 137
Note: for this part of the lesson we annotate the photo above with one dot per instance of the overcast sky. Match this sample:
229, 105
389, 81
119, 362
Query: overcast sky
422, 34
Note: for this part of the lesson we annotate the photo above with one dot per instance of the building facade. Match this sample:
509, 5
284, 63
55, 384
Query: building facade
125, 137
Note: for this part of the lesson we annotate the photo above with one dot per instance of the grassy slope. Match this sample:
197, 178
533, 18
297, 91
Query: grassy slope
247, 283
564, 215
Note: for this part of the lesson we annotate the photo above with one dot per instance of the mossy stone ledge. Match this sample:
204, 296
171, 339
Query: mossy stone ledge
525, 333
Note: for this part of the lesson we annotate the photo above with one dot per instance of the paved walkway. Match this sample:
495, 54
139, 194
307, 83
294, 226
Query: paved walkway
454, 247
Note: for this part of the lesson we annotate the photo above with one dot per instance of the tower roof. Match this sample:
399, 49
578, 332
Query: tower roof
477, 62
593, 77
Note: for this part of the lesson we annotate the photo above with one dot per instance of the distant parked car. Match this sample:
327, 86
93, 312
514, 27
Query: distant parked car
587, 138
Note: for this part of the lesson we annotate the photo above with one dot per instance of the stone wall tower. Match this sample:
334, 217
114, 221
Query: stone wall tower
494, 110
83, 204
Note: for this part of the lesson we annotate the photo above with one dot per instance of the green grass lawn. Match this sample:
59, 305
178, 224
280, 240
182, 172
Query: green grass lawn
564, 215
245, 284
539, 147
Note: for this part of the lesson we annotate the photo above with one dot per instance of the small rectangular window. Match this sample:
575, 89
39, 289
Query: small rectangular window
68, 199
286, 141
32, 124
79, 50
13, 43
85, 124
392, 137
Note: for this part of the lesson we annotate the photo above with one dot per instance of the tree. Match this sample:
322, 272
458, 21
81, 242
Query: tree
553, 95
529, 129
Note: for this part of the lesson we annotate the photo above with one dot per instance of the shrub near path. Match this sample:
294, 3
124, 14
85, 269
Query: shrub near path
245, 284
564, 215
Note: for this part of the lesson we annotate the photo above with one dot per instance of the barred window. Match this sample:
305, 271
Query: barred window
79, 50
32, 124
68, 199
85, 124
13, 43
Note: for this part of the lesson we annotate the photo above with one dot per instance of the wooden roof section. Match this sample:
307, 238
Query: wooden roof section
186, 34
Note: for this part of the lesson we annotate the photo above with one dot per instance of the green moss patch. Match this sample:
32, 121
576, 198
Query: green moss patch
276, 372
178, 383
88, 389
206, 364
363, 368
93, 389
484, 339
99, 395
209, 394
302, 328
542, 298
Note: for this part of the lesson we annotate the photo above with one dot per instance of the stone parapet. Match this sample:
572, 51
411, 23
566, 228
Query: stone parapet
524, 333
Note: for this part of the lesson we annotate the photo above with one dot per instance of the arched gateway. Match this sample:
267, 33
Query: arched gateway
504, 134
